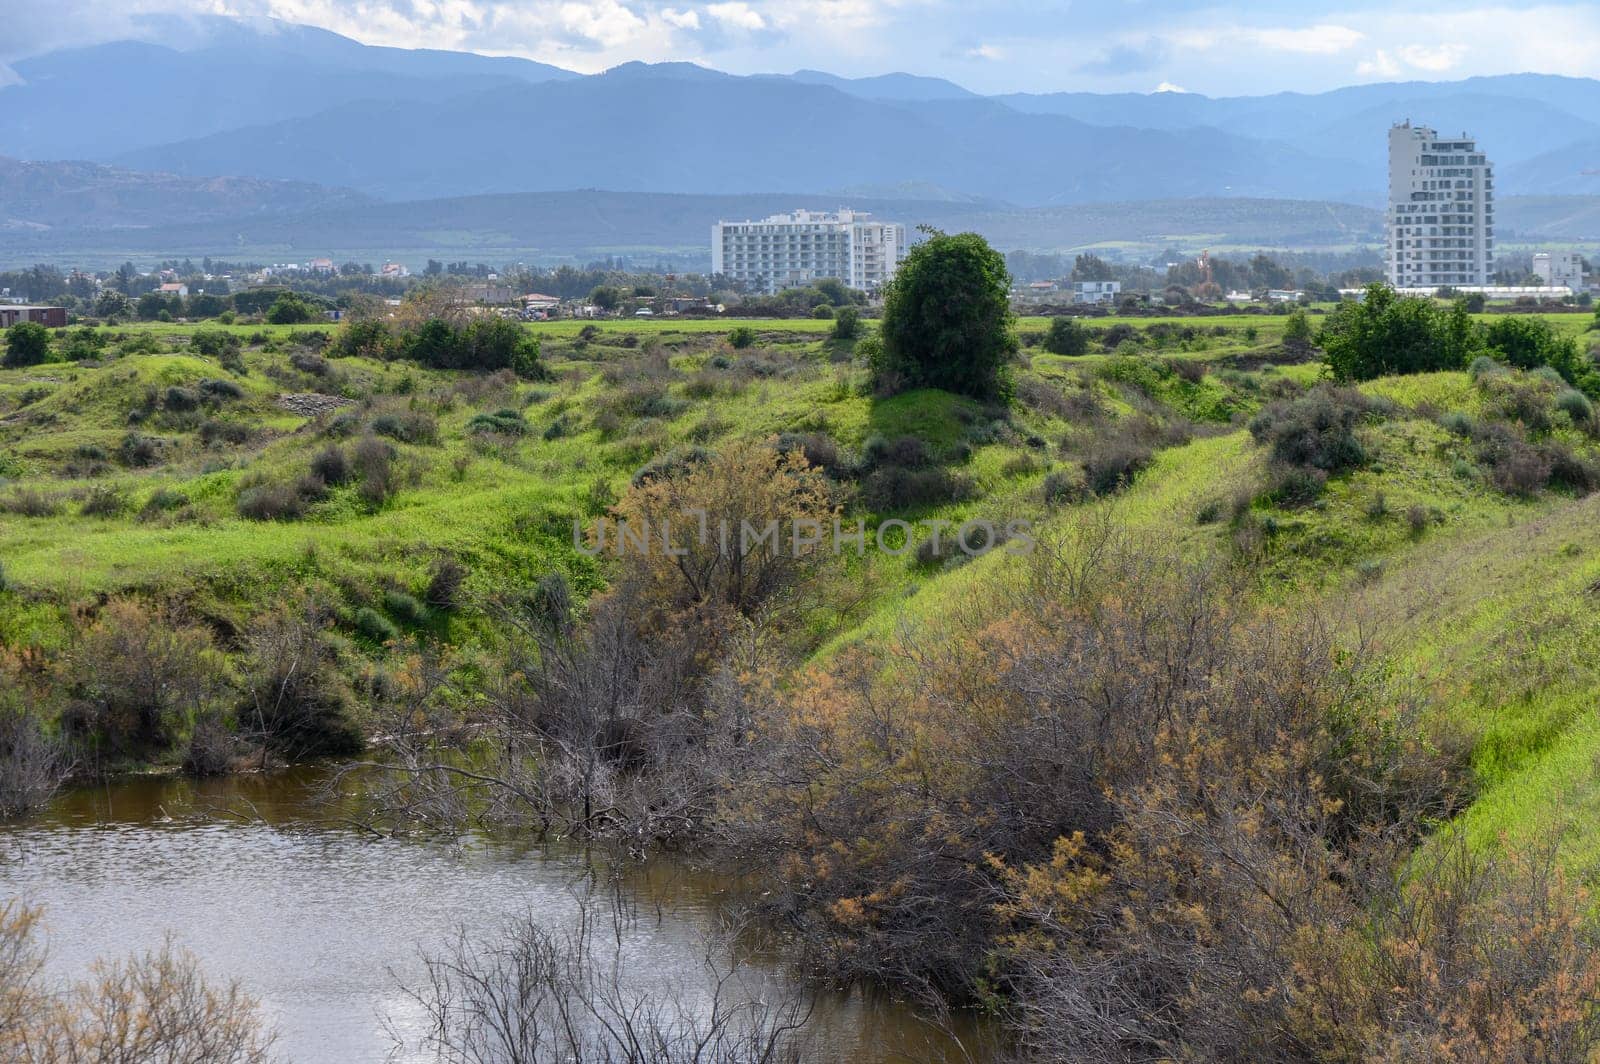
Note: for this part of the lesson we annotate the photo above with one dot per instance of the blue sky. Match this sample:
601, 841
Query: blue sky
1247, 47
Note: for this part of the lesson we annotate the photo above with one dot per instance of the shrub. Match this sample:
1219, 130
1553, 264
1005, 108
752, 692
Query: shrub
138, 451
846, 323
895, 487
1484, 366
213, 432
822, 312
374, 626
180, 400
1457, 423
819, 449
26, 502
1317, 430
503, 422
741, 337
405, 608
1518, 468
214, 343
674, 463
220, 390
1064, 486
1416, 520
137, 678
290, 309
309, 362
373, 461
1569, 471
368, 338
412, 426
1296, 486
331, 466
551, 602
27, 344
295, 699
211, 747
163, 500
271, 502
1576, 406
910, 452
485, 343
104, 501
1386, 333
1066, 337
1113, 461
445, 585
1531, 342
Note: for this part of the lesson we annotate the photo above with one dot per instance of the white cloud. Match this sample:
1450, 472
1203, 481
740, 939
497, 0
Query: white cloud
986, 51
1312, 40
608, 23
1167, 86
735, 14
683, 20
1381, 65
1434, 60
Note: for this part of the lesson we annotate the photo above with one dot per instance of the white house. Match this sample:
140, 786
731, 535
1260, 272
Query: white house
1096, 291
1559, 269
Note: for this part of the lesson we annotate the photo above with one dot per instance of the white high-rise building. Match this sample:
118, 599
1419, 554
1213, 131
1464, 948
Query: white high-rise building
790, 250
1441, 210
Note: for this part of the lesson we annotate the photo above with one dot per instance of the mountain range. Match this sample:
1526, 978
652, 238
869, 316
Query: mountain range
262, 125
261, 98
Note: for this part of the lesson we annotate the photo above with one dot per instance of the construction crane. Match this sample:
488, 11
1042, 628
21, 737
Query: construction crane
1204, 262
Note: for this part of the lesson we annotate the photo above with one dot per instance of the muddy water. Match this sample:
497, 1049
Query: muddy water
324, 923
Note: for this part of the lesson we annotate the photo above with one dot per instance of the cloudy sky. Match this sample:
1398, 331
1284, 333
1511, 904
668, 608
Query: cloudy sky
1245, 47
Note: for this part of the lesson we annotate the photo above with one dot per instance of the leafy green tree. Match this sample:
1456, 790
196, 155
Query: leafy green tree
1087, 267
490, 343
27, 344
1297, 330
113, 304
835, 291
1389, 334
1529, 342
290, 309
207, 306
1066, 337
605, 296
947, 320
151, 304
847, 323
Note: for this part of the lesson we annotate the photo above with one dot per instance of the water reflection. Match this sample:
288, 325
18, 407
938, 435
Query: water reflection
323, 923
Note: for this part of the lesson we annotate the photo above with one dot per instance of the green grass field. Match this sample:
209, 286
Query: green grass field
128, 475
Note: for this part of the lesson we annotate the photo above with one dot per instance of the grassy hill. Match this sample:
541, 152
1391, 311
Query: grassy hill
219, 482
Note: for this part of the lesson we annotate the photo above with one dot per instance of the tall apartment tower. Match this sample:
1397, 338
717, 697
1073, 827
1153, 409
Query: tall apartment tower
790, 250
1441, 210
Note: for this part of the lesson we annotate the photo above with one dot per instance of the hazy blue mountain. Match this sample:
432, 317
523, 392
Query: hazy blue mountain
262, 98
82, 196
1572, 170
686, 129
1514, 116
887, 86
101, 101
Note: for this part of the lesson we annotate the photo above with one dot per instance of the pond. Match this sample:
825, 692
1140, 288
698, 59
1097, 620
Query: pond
325, 923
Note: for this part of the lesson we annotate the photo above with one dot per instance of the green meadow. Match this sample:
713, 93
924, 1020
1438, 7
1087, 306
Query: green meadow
132, 473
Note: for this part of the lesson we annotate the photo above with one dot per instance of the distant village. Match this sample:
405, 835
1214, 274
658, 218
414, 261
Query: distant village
1439, 240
